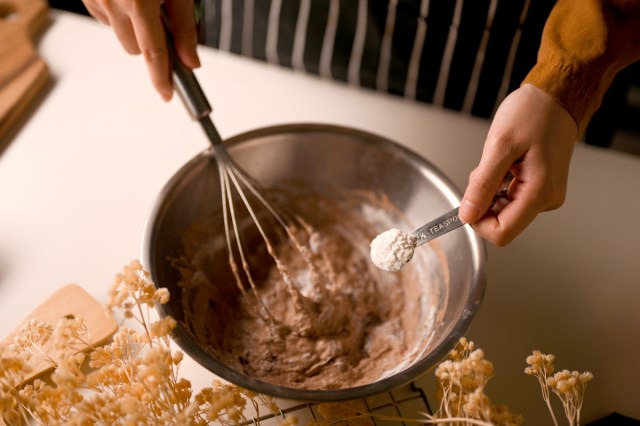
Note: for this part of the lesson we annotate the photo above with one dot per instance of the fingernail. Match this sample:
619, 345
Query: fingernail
468, 212
166, 95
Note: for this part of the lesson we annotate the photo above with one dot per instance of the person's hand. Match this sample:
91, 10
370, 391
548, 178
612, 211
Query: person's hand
138, 26
532, 137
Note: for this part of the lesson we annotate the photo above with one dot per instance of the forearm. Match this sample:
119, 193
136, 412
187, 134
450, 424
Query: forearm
585, 43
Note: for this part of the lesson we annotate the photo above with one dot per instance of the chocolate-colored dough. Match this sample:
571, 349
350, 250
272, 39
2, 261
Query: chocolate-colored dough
345, 324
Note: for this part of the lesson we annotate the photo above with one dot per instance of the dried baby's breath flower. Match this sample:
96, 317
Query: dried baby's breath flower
225, 403
12, 372
462, 349
477, 405
133, 289
101, 356
31, 337
463, 379
177, 357
12, 369
466, 374
68, 375
539, 364
161, 296
162, 327
569, 386
71, 335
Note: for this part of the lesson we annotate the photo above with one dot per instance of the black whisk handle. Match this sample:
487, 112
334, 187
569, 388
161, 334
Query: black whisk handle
184, 81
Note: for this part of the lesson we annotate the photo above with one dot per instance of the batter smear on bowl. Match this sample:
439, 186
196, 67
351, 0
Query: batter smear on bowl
345, 324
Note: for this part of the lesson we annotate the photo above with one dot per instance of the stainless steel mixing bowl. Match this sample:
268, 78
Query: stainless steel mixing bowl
326, 156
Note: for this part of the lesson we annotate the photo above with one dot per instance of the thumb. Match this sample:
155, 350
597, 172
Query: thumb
484, 183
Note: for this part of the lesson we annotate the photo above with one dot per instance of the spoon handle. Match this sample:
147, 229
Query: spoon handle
450, 220
437, 227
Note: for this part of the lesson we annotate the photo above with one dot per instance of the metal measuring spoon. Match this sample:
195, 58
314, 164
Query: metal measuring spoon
394, 248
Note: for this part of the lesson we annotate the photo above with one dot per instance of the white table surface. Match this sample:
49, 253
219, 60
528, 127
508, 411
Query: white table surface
78, 179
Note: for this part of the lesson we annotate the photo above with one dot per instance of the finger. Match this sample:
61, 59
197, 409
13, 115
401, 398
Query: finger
97, 13
183, 30
500, 228
123, 29
485, 181
149, 32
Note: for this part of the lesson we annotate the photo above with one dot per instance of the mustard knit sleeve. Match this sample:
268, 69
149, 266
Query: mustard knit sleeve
585, 43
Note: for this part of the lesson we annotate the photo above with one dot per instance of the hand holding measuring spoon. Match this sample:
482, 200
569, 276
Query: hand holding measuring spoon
394, 248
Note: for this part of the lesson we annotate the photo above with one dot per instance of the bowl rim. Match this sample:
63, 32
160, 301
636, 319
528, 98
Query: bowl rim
190, 346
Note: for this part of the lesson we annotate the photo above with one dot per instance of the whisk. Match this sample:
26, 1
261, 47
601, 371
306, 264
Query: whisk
236, 183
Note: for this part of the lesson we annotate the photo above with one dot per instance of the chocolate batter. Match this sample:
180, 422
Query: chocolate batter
336, 321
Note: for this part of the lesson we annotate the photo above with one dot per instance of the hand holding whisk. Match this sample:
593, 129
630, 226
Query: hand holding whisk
236, 185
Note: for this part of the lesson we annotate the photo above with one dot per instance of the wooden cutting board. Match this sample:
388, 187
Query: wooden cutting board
70, 300
23, 74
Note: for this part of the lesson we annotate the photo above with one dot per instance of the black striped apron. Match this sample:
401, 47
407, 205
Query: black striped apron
465, 55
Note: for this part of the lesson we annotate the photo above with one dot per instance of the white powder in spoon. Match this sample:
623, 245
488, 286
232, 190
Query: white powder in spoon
392, 249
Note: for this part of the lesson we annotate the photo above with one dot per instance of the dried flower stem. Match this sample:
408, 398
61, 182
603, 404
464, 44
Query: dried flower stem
569, 386
541, 366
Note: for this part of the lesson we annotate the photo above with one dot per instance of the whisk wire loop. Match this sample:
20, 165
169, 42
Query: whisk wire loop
230, 221
233, 179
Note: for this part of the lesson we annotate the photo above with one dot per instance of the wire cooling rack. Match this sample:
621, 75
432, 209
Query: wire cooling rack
403, 402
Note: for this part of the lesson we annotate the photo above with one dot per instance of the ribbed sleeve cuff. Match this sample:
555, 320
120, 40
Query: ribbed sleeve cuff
578, 91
